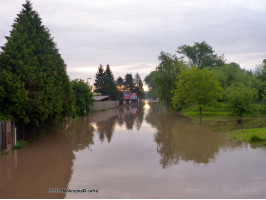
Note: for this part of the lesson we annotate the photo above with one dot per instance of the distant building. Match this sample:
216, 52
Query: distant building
104, 102
102, 98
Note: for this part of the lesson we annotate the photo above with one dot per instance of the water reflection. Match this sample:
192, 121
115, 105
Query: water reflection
181, 138
132, 115
104, 123
80, 134
31, 172
147, 106
178, 139
96, 150
46, 163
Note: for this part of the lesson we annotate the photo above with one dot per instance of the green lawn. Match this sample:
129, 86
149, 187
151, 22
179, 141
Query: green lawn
207, 113
250, 135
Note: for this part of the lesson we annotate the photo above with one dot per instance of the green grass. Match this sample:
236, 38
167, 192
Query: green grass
250, 135
207, 113
21, 144
221, 109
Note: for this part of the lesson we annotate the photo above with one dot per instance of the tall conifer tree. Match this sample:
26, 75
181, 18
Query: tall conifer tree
119, 81
31, 56
139, 86
109, 83
99, 80
129, 83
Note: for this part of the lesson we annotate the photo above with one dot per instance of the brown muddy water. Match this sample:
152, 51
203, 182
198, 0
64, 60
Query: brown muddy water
138, 152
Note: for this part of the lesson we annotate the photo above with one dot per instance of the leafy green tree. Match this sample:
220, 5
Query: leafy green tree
166, 76
241, 98
32, 58
139, 87
196, 86
201, 54
83, 96
261, 71
150, 81
99, 80
230, 74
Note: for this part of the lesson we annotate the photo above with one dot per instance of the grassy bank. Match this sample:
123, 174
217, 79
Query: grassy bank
207, 113
254, 136
193, 111
250, 135
21, 144
221, 109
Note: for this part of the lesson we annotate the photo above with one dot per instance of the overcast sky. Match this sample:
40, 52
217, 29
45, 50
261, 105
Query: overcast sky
129, 34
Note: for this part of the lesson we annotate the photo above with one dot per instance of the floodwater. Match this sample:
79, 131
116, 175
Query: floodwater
138, 152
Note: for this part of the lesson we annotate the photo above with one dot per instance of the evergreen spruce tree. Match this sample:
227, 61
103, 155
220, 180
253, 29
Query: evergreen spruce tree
139, 87
119, 81
120, 87
129, 83
32, 58
109, 83
99, 80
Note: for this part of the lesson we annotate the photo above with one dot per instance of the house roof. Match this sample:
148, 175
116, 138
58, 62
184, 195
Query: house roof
100, 98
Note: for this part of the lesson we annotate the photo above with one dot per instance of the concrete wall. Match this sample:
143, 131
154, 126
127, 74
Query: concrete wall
100, 105
7, 135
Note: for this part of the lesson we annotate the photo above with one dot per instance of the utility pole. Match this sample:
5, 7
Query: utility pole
88, 80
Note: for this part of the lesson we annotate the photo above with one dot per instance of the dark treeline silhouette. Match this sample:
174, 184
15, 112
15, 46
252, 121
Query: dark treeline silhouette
106, 85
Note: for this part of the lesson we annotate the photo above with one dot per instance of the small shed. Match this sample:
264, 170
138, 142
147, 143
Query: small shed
102, 98
104, 102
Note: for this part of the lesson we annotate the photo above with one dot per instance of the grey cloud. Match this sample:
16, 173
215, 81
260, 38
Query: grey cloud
132, 33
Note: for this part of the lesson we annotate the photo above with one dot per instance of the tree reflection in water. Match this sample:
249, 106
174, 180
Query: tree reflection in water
31, 172
80, 133
46, 163
129, 115
105, 128
178, 138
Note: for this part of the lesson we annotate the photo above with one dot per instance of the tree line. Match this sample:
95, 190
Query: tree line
35, 89
105, 84
197, 77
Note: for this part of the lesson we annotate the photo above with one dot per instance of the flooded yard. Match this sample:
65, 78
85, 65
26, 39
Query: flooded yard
138, 151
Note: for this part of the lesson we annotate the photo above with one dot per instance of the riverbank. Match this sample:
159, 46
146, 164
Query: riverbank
253, 132
252, 135
222, 109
